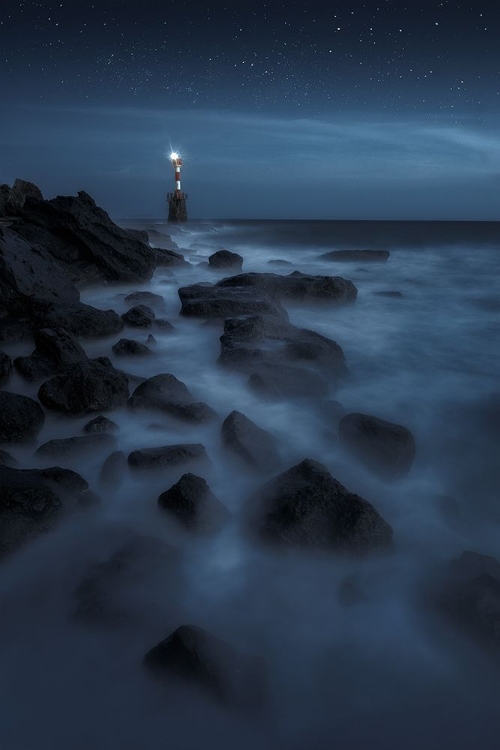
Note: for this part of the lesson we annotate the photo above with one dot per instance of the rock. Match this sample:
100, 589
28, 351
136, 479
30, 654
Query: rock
169, 258
139, 234
78, 319
192, 503
7, 460
252, 341
385, 448
33, 500
22, 418
273, 380
198, 658
103, 597
165, 393
114, 470
15, 329
249, 442
150, 339
85, 387
359, 256
5, 367
83, 239
206, 301
54, 351
225, 259
296, 286
306, 507
63, 449
20, 192
130, 348
167, 456
101, 424
139, 316
146, 298
28, 272
388, 293
4, 200
468, 596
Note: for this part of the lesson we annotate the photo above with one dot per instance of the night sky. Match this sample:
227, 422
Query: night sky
280, 110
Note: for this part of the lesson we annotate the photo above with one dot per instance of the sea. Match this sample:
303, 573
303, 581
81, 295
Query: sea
382, 672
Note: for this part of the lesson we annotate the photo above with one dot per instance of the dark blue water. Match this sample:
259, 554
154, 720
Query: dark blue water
381, 674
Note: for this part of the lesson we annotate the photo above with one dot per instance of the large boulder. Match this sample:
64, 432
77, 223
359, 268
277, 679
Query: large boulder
21, 419
225, 259
357, 256
54, 351
198, 658
33, 500
66, 449
249, 342
85, 387
296, 286
274, 380
78, 319
250, 443
82, 237
167, 456
209, 301
167, 394
191, 502
306, 507
386, 448
5, 367
468, 597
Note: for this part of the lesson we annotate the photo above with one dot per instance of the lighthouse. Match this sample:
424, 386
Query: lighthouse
177, 200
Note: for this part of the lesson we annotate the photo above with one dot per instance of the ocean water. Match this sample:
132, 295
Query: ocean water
382, 673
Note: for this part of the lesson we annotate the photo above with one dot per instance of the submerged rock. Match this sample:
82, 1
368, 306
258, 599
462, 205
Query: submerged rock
101, 424
274, 380
192, 503
21, 419
208, 301
244, 439
33, 500
225, 259
130, 348
196, 657
306, 507
358, 256
385, 448
167, 456
140, 316
165, 393
146, 298
296, 286
62, 449
114, 470
86, 387
55, 349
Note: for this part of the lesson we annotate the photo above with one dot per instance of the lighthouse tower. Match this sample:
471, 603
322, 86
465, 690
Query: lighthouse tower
177, 200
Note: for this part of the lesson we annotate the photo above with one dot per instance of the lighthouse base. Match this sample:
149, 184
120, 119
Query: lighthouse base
177, 210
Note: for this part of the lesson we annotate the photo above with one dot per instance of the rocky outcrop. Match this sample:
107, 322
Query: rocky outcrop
193, 505
66, 449
167, 456
167, 394
200, 659
225, 259
32, 501
357, 256
93, 385
209, 301
306, 507
385, 448
296, 286
21, 419
130, 348
78, 319
54, 351
250, 443
5, 367
249, 342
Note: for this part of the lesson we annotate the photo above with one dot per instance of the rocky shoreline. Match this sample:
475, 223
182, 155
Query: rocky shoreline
49, 251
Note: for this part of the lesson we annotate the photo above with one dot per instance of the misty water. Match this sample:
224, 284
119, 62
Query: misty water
381, 673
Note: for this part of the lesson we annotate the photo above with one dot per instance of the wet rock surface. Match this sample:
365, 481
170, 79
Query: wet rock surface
225, 259
296, 286
209, 301
85, 387
22, 418
78, 319
191, 502
63, 449
54, 351
306, 507
385, 448
130, 348
249, 442
167, 456
167, 394
101, 424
